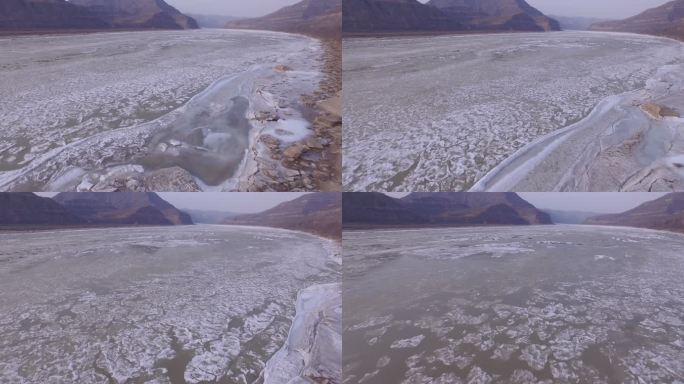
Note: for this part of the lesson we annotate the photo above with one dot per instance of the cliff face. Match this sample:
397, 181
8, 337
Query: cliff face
46, 15
321, 18
368, 16
666, 213
122, 208
499, 15
317, 213
373, 208
666, 20
27, 209
441, 209
153, 14
371, 16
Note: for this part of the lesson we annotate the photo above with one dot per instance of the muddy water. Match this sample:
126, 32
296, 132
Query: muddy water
178, 305
513, 305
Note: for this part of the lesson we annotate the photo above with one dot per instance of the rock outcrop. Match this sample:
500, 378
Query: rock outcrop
405, 16
27, 209
317, 213
496, 15
138, 14
122, 208
394, 16
665, 20
321, 18
665, 213
373, 208
440, 209
28, 15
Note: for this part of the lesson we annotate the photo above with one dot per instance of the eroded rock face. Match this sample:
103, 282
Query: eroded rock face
47, 14
666, 20
27, 209
122, 208
665, 213
368, 209
154, 14
371, 16
368, 16
515, 15
313, 17
318, 213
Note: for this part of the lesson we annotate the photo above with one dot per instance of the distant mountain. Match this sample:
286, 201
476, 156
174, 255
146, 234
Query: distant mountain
122, 208
665, 213
576, 23
212, 21
312, 17
372, 208
133, 14
26, 15
497, 15
387, 16
569, 217
209, 217
665, 20
56, 15
27, 209
440, 209
317, 213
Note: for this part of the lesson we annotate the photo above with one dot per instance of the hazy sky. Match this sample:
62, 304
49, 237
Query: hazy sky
242, 8
608, 9
586, 202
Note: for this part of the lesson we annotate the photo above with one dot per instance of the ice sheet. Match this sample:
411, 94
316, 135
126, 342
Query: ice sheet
438, 113
208, 304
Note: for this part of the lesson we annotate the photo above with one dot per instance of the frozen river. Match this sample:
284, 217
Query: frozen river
439, 113
516, 305
197, 304
98, 111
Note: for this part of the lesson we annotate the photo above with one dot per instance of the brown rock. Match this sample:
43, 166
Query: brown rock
295, 151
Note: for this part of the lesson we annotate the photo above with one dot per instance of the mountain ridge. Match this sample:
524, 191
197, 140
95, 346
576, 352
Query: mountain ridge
90, 15
666, 20
122, 208
318, 18
443, 16
439, 209
316, 213
665, 213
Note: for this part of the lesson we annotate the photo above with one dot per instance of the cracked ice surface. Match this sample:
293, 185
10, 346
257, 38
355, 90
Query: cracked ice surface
161, 305
438, 113
77, 109
554, 314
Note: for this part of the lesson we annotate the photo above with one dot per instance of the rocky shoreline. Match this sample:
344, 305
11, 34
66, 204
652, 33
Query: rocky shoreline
315, 163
